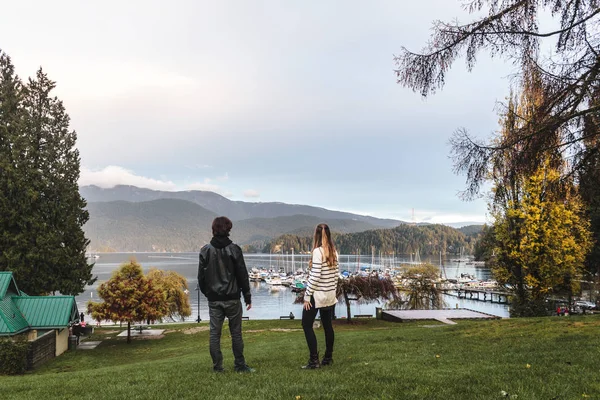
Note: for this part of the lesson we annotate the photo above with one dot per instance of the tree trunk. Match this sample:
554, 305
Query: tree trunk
347, 300
128, 332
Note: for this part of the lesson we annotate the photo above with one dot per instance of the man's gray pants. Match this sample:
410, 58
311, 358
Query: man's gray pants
218, 310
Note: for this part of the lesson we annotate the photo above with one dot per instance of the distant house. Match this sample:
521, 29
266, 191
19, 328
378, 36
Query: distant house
44, 320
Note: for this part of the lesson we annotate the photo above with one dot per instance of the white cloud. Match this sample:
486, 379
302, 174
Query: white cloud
251, 193
113, 175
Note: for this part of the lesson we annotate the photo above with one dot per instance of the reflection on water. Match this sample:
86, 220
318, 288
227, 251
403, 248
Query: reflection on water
268, 303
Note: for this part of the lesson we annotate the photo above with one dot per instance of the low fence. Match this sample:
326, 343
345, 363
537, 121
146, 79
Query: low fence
41, 350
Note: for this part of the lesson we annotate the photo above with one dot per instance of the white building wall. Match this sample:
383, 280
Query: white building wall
62, 340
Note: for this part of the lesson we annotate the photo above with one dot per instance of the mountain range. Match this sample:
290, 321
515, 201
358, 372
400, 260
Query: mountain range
128, 218
235, 210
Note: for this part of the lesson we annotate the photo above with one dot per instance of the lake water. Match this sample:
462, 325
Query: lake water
271, 304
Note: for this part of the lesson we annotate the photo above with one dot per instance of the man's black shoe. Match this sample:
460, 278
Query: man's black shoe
245, 368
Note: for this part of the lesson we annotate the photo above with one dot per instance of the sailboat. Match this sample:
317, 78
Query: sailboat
91, 255
461, 256
417, 257
443, 269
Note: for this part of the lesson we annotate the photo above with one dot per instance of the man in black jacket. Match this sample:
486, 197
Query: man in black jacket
222, 276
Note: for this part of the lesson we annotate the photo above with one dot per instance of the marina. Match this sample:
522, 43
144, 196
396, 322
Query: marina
270, 301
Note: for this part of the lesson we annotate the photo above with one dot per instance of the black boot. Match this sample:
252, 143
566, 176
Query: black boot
313, 362
327, 360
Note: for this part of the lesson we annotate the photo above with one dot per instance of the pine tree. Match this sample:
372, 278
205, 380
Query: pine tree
41, 237
14, 197
589, 184
589, 181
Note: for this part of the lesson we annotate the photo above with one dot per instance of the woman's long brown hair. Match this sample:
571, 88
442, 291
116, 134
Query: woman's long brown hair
323, 239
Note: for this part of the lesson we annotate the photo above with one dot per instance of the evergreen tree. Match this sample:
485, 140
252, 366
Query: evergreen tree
590, 192
484, 247
14, 198
589, 184
42, 239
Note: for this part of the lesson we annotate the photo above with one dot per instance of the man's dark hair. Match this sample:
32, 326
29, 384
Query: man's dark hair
221, 226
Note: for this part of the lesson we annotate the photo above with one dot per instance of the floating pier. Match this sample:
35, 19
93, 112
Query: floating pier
445, 316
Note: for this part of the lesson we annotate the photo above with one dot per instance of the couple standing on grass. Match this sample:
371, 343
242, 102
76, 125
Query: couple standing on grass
222, 276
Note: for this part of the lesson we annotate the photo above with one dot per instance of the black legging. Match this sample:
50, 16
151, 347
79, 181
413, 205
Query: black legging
308, 318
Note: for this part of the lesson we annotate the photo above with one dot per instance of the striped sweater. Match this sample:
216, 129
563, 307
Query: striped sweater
322, 281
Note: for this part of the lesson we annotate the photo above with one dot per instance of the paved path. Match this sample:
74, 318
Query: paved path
145, 332
87, 345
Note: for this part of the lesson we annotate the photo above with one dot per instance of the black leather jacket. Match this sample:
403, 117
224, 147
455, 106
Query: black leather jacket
222, 273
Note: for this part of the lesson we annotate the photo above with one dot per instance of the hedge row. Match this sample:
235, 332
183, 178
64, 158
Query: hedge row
13, 356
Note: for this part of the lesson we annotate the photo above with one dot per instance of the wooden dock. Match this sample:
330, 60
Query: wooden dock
489, 295
446, 316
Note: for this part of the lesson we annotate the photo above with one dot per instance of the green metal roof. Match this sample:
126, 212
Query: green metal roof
19, 312
11, 318
47, 311
6, 278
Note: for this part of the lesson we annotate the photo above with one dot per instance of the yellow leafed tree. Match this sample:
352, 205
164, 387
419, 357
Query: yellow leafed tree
541, 237
175, 287
129, 296
541, 241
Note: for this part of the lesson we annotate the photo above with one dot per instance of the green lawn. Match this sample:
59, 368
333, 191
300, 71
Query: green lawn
544, 358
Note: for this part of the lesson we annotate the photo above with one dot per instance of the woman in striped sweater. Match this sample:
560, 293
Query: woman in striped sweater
320, 295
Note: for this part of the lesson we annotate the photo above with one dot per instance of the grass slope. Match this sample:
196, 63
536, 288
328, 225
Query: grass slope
545, 358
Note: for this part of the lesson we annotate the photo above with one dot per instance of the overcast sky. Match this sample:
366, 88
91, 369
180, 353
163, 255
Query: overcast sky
260, 100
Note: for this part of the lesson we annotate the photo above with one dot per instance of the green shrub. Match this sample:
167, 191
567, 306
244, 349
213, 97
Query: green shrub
529, 307
13, 356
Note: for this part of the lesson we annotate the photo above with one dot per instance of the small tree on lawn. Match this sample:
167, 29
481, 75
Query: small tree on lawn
175, 287
361, 289
129, 296
365, 289
419, 288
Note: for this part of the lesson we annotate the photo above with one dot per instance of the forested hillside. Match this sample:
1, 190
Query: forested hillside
405, 239
159, 225
472, 230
